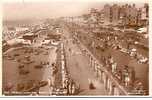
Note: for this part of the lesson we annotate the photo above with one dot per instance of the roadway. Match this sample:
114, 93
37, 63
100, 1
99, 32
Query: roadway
79, 69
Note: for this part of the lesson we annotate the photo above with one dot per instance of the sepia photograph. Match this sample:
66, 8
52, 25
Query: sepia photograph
75, 48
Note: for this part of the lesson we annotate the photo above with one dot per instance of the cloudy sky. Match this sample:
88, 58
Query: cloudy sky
23, 9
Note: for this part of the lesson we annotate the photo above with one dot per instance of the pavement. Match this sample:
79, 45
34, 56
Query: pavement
47, 72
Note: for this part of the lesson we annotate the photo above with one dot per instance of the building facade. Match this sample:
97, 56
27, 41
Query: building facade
107, 14
115, 14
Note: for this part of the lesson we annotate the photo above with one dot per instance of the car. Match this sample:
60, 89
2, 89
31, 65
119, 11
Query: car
21, 66
23, 71
54, 43
47, 48
28, 62
18, 60
143, 60
10, 58
36, 53
16, 54
38, 66
26, 57
136, 42
45, 42
46, 53
124, 50
40, 47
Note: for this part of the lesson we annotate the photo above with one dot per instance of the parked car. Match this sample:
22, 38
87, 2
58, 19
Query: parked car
38, 66
53, 42
143, 60
124, 50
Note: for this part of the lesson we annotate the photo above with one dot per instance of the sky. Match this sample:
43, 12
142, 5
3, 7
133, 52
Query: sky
25, 9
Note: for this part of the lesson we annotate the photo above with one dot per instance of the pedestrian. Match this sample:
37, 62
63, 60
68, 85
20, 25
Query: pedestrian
73, 91
91, 86
49, 82
72, 87
70, 50
69, 86
65, 84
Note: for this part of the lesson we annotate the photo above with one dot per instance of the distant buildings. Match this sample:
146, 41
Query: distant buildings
21, 29
127, 14
107, 14
144, 14
131, 15
102, 16
12, 32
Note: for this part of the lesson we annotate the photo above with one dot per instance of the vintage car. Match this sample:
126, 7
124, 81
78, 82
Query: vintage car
23, 72
21, 66
38, 66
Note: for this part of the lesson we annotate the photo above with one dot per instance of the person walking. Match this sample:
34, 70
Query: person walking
91, 86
